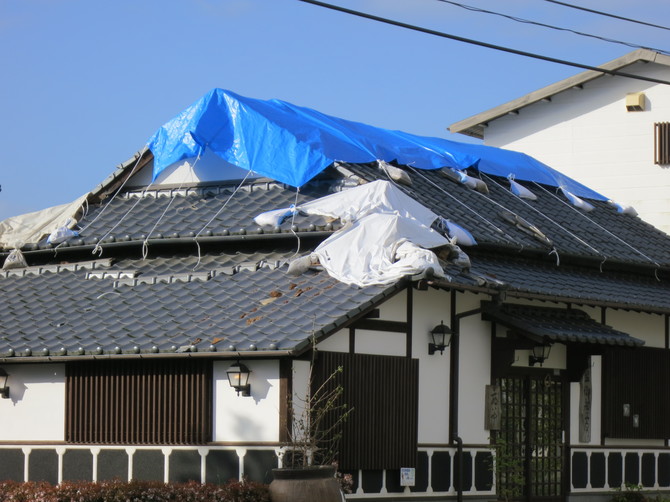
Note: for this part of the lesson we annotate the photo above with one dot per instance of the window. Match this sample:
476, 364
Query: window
382, 430
139, 402
662, 143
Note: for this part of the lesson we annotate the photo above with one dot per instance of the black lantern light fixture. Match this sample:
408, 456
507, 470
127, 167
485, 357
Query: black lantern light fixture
238, 377
441, 336
540, 354
4, 389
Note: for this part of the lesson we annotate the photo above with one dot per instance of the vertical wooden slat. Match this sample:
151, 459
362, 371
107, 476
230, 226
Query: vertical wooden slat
139, 402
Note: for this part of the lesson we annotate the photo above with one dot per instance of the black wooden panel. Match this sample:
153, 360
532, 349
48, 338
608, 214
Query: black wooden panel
11, 464
184, 466
112, 464
580, 468
372, 480
221, 466
77, 465
393, 481
483, 470
598, 470
648, 469
258, 465
640, 379
382, 431
632, 468
149, 465
466, 469
421, 479
43, 466
614, 463
441, 471
664, 469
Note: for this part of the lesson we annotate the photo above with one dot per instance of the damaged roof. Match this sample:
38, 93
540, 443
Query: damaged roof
184, 270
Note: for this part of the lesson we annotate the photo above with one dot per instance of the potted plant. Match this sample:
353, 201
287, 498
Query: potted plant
508, 469
314, 431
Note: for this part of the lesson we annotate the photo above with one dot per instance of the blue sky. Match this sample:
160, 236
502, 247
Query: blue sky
85, 84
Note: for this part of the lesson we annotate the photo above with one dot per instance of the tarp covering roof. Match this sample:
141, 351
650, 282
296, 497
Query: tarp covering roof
292, 144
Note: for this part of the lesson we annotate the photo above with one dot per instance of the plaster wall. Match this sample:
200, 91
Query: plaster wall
648, 327
474, 371
247, 419
589, 135
429, 308
209, 167
34, 388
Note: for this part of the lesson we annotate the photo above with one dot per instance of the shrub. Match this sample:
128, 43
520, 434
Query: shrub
135, 491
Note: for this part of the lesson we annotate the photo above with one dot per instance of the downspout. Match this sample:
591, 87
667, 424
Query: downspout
454, 386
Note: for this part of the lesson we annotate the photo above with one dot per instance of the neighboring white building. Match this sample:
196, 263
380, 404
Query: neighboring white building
598, 129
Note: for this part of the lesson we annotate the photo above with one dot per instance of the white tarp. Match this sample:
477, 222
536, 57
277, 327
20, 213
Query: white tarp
32, 227
386, 235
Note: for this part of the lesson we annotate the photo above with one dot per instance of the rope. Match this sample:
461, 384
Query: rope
295, 210
215, 215
113, 196
551, 220
510, 239
598, 225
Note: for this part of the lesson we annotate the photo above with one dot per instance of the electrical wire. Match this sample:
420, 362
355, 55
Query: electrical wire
564, 4
557, 28
483, 44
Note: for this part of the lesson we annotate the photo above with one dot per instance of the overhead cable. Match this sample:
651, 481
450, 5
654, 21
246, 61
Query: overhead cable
484, 44
608, 14
558, 28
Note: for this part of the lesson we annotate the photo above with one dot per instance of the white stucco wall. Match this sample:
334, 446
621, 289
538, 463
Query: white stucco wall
254, 418
34, 388
648, 327
431, 307
589, 135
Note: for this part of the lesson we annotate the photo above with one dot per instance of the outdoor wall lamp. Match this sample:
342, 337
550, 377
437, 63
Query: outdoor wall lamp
441, 336
540, 354
238, 378
4, 390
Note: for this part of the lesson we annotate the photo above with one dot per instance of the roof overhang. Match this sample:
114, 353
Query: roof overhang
550, 325
474, 126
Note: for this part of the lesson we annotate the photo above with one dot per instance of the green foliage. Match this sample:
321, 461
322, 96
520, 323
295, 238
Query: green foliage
629, 493
135, 491
508, 469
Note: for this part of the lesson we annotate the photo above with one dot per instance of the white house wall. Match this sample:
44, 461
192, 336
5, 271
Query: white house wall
247, 419
429, 309
474, 371
589, 135
648, 327
34, 389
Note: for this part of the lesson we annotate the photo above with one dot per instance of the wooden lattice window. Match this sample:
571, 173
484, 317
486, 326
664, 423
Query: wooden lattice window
139, 402
662, 143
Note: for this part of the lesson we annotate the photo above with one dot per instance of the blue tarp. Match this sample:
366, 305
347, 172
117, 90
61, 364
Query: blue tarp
292, 144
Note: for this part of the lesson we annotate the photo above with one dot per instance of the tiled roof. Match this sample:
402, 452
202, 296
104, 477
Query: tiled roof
557, 324
235, 293
103, 310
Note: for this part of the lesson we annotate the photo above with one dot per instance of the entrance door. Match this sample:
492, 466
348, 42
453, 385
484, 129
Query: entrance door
530, 439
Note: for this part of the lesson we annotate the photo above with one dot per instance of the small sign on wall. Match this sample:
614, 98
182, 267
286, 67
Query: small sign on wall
407, 476
492, 408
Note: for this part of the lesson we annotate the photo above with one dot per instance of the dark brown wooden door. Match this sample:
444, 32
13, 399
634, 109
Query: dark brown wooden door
529, 443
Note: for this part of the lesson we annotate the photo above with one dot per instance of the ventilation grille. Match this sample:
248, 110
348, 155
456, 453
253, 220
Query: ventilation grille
662, 143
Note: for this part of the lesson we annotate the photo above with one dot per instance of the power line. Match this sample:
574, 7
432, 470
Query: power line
558, 28
484, 44
608, 15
